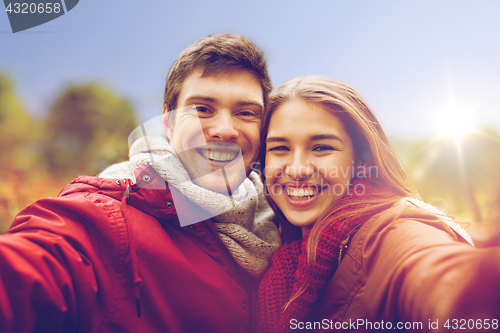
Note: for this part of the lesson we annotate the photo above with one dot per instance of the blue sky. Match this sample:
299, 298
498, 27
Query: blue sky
417, 63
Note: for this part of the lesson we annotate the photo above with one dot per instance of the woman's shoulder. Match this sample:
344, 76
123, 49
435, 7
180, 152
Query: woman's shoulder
421, 208
408, 226
396, 252
410, 216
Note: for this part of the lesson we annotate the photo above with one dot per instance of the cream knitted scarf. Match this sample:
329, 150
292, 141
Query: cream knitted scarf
246, 228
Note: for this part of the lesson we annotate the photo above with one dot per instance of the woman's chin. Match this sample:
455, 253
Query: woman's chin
301, 220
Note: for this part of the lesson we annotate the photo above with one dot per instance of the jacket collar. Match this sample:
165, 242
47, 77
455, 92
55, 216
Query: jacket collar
151, 194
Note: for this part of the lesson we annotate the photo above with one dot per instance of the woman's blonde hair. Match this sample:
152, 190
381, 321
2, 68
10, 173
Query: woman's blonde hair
370, 144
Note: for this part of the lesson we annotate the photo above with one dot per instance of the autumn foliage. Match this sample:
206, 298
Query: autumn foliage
85, 131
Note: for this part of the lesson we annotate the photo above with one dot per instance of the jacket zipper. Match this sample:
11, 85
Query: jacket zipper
222, 249
343, 246
216, 238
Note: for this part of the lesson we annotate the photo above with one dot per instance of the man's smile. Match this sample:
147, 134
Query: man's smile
218, 156
220, 151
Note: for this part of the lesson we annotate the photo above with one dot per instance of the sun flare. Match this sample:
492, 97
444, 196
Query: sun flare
455, 123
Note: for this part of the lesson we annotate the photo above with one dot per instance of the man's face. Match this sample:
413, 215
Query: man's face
218, 140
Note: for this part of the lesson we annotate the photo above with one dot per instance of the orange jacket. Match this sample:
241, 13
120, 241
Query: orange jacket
406, 268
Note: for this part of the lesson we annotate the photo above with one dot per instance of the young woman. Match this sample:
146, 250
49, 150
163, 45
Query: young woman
361, 251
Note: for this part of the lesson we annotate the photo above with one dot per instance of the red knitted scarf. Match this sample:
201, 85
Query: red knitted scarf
289, 264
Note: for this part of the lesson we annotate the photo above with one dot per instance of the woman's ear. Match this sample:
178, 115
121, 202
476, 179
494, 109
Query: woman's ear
360, 166
364, 156
356, 165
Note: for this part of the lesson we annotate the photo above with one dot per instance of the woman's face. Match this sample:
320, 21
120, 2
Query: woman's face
310, 161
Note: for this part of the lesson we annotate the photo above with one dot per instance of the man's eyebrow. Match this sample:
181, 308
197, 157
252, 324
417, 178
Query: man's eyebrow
201, 97
327, 136
214, 100
244, 103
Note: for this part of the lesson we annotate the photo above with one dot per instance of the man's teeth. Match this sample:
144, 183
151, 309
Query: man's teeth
301, 193
219, 157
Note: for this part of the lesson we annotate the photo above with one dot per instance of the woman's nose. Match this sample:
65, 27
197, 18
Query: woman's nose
299, 167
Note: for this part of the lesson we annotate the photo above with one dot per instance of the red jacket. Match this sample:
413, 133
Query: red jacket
78, 262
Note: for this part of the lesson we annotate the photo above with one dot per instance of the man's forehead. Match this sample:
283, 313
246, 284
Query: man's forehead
219, 74
207, 87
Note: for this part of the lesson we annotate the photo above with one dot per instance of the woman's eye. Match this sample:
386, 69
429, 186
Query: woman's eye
278, 148
323, 148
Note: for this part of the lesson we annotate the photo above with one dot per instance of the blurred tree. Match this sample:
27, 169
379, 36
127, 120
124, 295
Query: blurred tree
18, 131
87, 130
464, 172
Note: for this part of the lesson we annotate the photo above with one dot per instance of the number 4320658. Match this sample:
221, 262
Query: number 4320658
478, 324
27, 8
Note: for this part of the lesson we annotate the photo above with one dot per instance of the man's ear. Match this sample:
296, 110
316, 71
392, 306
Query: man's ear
168, 124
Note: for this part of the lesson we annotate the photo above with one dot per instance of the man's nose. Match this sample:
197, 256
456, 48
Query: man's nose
223, 127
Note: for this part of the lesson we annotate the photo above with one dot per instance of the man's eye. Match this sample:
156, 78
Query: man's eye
323, 148
202, 109
246, 113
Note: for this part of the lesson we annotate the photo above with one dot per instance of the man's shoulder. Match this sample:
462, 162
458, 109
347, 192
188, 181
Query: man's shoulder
110, 184
85, 201
114, 188
85, 198
122, 170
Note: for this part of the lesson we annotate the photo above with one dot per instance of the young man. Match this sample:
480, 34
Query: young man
170, 241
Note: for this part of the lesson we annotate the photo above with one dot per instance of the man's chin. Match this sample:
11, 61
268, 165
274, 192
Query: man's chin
221, 182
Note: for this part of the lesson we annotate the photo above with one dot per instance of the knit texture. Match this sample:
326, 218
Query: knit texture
245, 222
288, 271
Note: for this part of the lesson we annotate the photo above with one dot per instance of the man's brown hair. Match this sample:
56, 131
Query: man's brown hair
215, 54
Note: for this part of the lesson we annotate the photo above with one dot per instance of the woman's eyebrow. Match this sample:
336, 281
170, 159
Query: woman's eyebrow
327, 136
276, 139
313, 138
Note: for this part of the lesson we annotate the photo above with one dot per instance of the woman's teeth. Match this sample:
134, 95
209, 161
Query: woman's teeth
301, 193
219, 157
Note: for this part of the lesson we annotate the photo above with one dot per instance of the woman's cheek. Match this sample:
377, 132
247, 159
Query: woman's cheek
273, 172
